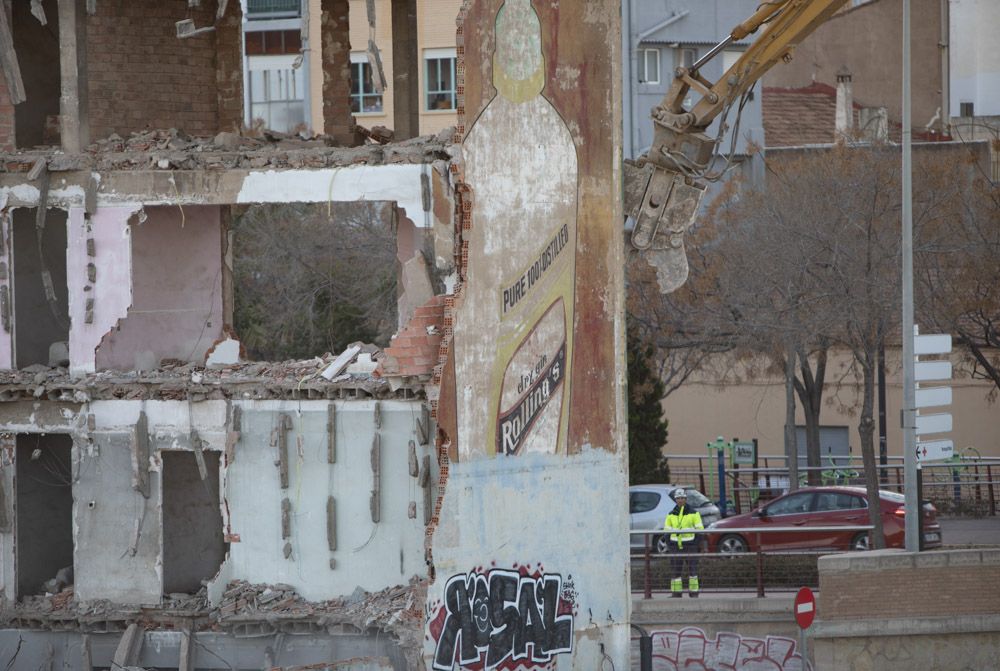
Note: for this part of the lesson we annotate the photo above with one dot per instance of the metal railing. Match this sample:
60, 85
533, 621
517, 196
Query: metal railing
962, 486
272, 9
788, 570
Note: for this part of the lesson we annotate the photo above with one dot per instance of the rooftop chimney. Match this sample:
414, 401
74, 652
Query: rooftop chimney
844, 121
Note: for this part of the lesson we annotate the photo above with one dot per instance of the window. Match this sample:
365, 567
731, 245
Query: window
685, 58
791, 505
277, 91
273, 9
364, 98
966, 109
649, 66
643, 502
439, 79
827, 501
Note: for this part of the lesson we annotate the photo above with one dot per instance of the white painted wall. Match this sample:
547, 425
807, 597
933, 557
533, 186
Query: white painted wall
975, 58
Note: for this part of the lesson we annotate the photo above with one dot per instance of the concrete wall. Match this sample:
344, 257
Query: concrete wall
531, 405
122, 535
368, 554
867, 40
741, 633
892, 609
176, 309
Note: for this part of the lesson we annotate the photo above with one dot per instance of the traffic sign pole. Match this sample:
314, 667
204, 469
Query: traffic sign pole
804, 609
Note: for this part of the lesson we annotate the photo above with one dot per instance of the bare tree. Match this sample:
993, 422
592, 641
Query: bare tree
310, 279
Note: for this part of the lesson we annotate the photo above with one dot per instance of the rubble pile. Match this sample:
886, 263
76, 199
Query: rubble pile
170, 149
177, 380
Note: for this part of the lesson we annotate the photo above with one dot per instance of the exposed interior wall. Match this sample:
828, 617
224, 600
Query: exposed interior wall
193, 547
140, 75
108, 232
367, 554
37, 49
36, 324
117, 525
44, 478
7, 116
176, 309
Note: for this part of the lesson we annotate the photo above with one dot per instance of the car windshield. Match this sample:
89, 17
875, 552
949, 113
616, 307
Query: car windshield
696, 499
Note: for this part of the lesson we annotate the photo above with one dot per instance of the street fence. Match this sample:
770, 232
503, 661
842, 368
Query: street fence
964, 485
759, 571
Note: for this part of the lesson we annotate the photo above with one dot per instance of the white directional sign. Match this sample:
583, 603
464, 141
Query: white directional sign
932, 396
937, 423
932, 344
935, 450
928, 371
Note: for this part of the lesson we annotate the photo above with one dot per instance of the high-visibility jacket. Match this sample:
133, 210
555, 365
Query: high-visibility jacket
682, 518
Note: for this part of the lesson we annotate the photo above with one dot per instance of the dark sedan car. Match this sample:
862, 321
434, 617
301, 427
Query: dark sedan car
815, 508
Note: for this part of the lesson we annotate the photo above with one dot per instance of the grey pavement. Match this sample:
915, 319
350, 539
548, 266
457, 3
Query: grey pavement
970, 530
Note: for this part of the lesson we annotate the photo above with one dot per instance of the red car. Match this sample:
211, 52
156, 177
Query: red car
818, 507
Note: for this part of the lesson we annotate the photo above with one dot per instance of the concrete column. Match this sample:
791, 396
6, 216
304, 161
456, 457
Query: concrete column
405, 70
74, 121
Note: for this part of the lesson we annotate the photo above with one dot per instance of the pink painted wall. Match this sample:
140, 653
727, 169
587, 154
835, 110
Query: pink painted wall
176, 309
112, 291
6, 338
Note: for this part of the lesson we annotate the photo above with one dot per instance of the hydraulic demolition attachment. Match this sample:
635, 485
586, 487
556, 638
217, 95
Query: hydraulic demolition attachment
683, 157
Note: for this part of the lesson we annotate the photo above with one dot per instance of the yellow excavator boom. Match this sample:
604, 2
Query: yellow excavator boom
682, 153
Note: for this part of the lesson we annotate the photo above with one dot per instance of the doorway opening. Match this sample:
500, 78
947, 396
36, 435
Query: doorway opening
41, 308
193, 543
36, 120
44, 513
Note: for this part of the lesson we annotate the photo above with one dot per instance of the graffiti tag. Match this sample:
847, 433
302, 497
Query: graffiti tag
691, 648
488, 618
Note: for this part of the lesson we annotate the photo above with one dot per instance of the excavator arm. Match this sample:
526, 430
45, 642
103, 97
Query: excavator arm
682, 154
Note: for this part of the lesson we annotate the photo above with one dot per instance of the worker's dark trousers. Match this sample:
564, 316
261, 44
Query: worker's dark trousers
677, 566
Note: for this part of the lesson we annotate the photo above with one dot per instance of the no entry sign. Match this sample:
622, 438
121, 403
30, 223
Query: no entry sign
805, 607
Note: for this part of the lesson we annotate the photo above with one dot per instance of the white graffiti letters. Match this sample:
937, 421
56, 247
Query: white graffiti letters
501, 615
691, 648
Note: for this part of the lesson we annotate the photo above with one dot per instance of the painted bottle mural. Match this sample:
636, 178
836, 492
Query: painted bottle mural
520, 161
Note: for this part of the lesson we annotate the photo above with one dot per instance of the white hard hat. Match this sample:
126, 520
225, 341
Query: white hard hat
679, 493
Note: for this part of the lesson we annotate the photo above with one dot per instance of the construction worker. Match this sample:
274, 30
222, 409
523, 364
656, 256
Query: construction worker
682, 517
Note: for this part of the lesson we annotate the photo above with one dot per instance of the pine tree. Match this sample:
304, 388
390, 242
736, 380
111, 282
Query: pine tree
647, 429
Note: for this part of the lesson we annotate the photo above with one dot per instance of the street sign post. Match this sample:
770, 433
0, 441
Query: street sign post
805, 613
933, 396
936, 423
932, 343
935, 450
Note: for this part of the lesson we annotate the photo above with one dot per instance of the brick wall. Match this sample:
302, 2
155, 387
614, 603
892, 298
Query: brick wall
229, 67
141, 75
336, 57
6, 117
899, 584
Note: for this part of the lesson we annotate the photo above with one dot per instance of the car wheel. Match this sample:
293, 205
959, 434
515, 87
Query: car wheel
662, 544
732, 544
860, 543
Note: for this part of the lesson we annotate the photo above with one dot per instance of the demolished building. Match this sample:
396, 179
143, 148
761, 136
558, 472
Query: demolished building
164, 502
